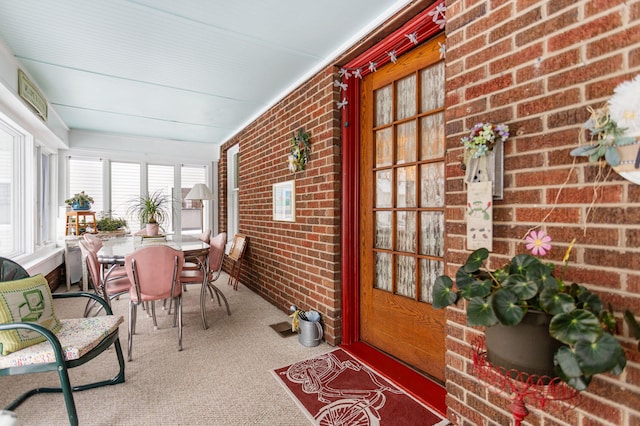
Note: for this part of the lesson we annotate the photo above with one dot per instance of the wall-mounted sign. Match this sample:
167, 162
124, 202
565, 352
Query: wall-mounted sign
30, 93
479, 216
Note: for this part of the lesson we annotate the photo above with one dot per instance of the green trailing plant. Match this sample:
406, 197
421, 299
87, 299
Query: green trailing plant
154, 208
110, 224
505, 295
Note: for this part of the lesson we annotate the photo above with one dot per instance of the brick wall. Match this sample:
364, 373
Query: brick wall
292, 263
537, 65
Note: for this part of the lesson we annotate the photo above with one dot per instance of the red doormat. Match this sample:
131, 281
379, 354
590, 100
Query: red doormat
336, 389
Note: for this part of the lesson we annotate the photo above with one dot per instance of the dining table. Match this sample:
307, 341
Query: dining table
113, 252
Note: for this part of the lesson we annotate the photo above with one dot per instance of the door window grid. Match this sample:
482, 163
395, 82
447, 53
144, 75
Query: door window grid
411, 239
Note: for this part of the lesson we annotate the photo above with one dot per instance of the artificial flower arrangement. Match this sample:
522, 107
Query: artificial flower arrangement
482, 138
300, 151
505, 295
614, 125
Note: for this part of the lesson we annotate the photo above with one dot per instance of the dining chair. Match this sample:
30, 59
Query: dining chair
205, 236
108, 287
193, 263
34, 340
95, 243
207, 272
155, 275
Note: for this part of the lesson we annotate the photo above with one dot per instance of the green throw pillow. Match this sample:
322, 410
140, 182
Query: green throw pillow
26, 300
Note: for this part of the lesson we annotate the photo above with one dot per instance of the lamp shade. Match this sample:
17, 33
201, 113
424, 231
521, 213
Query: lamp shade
200, 191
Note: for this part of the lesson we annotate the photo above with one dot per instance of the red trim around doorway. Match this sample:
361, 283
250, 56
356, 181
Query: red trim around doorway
417, 385
421, 388
424, 27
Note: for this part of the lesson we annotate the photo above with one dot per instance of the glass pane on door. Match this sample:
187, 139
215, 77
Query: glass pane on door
432, 179
429, 271
406, 231
431, 231
383, 271
406, 187
432, 82
406, 143
383, 106
384, 147
406, 97
406, 276
383, 230
383, 189
432, 136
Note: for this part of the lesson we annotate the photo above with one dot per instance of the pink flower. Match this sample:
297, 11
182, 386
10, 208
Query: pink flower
538, 243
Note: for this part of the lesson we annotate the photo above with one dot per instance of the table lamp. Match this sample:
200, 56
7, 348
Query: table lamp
201, 192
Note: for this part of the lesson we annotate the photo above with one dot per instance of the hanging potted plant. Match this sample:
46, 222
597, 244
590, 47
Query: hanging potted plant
80, 201
152, 210
574, 331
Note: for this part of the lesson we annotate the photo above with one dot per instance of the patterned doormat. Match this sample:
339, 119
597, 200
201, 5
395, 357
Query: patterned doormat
336, 389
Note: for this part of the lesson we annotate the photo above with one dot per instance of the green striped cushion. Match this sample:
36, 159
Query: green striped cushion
26, 300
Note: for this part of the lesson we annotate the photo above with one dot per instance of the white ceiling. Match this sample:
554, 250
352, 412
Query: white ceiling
193, 70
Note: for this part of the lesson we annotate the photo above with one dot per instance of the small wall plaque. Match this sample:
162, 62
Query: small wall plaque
284, 201
30, 93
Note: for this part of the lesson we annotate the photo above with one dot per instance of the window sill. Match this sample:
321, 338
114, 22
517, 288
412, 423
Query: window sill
43, 261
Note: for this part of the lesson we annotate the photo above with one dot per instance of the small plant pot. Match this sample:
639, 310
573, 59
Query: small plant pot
152, 229
81, 206
526, 347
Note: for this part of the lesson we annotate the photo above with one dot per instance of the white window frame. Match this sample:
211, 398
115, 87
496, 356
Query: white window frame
233, 192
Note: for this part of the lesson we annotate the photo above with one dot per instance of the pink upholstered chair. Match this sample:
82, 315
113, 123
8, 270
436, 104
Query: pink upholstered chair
114, 286
94, 242
193, 264
207, 273
205, 236
155, 274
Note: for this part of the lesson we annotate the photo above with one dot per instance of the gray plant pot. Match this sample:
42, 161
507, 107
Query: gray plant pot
526, 347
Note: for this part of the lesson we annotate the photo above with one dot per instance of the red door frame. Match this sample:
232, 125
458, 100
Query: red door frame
423, 27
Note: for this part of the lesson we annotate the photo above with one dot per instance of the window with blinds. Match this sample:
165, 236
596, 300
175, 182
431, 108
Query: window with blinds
86, 175
125, 187
160, 178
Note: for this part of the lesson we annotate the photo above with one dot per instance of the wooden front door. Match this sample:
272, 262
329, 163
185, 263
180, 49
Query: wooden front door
402, 208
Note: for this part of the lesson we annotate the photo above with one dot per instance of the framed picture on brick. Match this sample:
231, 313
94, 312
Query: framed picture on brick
284, 201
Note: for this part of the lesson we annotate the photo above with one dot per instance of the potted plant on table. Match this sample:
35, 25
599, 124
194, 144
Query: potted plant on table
80, 201
111, 224
526, 292
152, 210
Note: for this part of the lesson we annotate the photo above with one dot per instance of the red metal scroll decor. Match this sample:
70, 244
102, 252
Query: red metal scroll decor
523, 388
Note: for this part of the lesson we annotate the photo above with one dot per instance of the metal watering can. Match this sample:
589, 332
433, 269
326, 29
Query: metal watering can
310, 331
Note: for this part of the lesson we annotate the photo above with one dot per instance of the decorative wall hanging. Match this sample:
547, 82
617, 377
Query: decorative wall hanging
418, 31
614, 130
300, 151
484, 155
479, 216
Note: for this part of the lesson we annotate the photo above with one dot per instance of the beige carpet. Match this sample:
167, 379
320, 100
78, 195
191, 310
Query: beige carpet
222, 377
